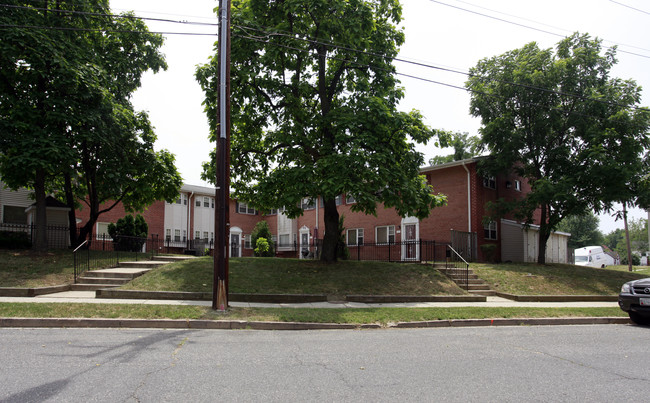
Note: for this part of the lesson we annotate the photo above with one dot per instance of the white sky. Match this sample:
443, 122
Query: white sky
436, 34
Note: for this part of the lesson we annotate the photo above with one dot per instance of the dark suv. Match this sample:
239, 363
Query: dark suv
635, 300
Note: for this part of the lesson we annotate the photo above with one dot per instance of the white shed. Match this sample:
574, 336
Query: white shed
519, 243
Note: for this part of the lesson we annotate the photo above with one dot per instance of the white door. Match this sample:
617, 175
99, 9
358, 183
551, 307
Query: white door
410, 239
235, 245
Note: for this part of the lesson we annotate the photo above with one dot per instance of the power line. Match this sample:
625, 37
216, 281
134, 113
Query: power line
630, 7
523, 25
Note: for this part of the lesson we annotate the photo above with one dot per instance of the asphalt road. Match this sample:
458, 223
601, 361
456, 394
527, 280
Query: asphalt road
601, 363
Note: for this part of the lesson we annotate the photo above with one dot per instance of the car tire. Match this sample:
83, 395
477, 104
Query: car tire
639, 319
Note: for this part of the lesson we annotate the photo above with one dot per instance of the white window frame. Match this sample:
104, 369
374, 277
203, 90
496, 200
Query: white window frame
490, 182
247, 242
197, 234
490, 231
168, 234
206, 201
177, 235
244, 208
517, 185
390, 235
354, 236
349, 199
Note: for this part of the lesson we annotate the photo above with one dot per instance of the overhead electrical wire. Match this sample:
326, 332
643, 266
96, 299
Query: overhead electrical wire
630, 7
268, 34
524, 25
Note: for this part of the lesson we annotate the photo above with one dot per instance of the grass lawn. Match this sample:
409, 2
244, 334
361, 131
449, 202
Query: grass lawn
344, 315
21, 268
554, 279
294, 276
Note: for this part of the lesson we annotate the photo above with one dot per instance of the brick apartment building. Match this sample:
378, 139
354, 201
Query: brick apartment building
189, 220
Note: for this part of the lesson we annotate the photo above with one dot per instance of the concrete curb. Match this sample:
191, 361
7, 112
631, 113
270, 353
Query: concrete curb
32, 292
234, 324
558, 298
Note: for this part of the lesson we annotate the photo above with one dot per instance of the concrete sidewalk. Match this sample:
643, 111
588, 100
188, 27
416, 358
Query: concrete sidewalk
88, 297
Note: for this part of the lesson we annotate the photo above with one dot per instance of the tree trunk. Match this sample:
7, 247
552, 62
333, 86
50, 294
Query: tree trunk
331, 236
72, 216
40, 240
627, 238
543, 234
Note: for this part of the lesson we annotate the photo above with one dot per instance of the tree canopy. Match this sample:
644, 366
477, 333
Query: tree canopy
464, 145
314, 110
583, 229
558, 119
68, 70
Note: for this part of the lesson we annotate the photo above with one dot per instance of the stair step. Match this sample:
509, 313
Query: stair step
115, 275
168, 259
487, 293
474, 286
91, 287
103, 280
145, 264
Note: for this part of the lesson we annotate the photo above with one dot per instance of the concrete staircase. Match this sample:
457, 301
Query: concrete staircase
94, 280
470, 282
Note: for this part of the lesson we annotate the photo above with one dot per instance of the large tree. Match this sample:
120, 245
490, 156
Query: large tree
560, 121
68, 70
314, 109
583, 229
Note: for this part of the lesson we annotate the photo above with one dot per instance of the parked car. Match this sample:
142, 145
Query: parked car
635, 300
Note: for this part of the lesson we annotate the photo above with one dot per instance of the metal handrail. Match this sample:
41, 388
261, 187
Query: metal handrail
455, 266
74, 257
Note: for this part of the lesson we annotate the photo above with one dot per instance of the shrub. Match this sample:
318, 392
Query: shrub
262, 230
129, 233
262, 247
14, 240
489, 252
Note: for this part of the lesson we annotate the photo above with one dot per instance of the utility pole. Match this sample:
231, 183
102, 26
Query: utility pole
222, 193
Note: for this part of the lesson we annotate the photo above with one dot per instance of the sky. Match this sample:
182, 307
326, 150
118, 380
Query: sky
449, 34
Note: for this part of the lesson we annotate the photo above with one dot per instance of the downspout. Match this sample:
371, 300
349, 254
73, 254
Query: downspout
190, 203
469, 200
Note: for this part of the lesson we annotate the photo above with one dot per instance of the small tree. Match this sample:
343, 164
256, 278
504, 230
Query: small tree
262, 230
262, 247
129, 233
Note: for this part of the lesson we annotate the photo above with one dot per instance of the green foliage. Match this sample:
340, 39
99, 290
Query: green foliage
262, 247
129, 233
67, 122
489, 251
558, 120
583, 229
613, 238
310, 119
14, 240
464, 145
262, 230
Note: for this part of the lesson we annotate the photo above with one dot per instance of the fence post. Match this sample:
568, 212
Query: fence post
358, 251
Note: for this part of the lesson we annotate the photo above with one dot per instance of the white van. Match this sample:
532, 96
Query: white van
592, 256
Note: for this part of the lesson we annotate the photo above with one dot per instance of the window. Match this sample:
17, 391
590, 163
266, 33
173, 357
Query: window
177, 235
211, 236
490, 230
205, 236
349, 199
102, 231
178, 201
212, 202
185, 199
385, 234
206, 202
168, 234
197, 234
244, 208
285, 240
308, 204
197, 203
490, 182
355, 236
14, 215
518, 185
247, 242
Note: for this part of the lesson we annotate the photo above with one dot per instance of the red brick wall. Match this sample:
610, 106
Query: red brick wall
154, 215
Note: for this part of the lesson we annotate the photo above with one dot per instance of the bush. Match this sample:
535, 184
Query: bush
262, 230
14, 240
129, 233
262, 247
489, 251
636, 260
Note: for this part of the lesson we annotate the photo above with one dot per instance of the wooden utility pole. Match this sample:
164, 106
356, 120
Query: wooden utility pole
222, 193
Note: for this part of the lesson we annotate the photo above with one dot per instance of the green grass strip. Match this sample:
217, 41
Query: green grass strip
329, 315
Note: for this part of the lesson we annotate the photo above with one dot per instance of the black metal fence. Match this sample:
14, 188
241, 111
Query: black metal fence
406, 251
104, 252
19, 236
